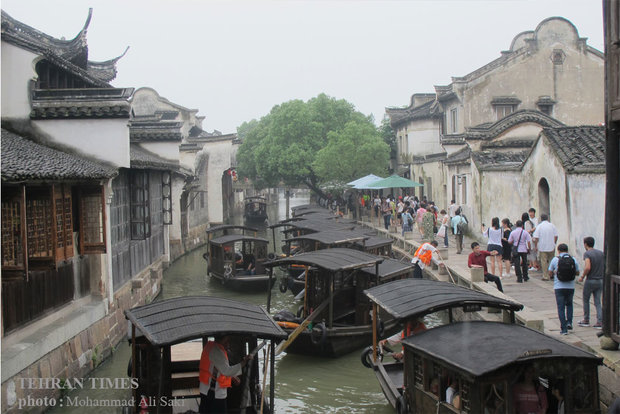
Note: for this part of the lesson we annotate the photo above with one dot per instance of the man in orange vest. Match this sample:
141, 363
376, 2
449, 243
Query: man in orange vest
216, 375
412, 327
423, 257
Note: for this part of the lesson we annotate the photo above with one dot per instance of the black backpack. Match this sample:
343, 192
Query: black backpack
566, 268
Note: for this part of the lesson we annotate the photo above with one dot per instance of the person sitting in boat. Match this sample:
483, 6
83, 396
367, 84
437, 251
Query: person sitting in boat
423, 257
249, 264
452, 390
412, 327
528, 395
216, 375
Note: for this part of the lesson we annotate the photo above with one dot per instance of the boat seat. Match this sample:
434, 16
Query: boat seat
184, 380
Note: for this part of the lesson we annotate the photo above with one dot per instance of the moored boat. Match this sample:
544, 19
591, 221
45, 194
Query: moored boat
167, 340
255, 209
333, 298
475, 366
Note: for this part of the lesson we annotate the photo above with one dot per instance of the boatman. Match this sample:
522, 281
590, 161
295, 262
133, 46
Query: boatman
216, 375
412, 327
423, 257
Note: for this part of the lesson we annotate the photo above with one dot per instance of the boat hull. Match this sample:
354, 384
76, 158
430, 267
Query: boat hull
245, 283
338, 340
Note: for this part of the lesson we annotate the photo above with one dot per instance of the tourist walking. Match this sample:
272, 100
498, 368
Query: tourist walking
545, 237
530, 221
418, 217
506, 250
423, 257
458, 223
452, 211
376, 205
387, 213
428, 225
594, 271
494, 235
443, 228
478, 258
407, 219
521, 239
400, 207
563, 268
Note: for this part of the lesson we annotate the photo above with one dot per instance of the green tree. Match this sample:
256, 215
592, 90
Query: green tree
389, 136
310, 143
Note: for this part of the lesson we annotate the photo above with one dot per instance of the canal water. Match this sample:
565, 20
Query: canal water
303, 384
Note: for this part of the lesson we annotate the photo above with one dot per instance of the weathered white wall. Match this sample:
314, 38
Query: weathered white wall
436, 172
17, 71
419, 137
576, 85
146, 101
587, 207
104, 139
220, 155
177, 189
168, 149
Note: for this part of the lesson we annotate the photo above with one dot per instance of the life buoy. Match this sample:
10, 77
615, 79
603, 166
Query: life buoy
286, 324
318, 338
366, 357
401, 405
283, 285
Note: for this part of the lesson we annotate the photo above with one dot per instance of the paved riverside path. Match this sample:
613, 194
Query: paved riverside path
536, 295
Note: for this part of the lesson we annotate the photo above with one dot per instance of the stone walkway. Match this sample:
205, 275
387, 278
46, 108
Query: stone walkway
536, 295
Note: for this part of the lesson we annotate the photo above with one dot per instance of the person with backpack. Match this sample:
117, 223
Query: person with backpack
459, 226
407, 219
564, 267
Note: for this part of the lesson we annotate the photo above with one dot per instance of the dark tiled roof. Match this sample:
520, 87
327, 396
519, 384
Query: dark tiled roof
401, 115
81, 103
509, 143
459, 157
580, 149
495, 160
440, 156
145, 131
141, 158
70, 55
454, 139
24, 160
489, 131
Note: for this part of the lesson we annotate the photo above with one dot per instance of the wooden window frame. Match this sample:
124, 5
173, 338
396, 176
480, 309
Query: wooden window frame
139, 184
166, 196
89, 247
19, 196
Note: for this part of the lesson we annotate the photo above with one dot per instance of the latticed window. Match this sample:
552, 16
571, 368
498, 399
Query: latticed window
166, 196
140, 205
12, 240
64, 222
39, 223
418, 370
92, 220
465, 396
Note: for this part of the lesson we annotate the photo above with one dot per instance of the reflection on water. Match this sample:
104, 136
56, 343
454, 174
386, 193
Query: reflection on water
304, 384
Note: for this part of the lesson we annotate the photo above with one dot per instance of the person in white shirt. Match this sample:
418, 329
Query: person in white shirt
545, 237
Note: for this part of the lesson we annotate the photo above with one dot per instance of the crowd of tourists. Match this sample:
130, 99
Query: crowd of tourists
529, 245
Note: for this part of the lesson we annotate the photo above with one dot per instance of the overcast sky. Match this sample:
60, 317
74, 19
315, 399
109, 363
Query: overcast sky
235, 60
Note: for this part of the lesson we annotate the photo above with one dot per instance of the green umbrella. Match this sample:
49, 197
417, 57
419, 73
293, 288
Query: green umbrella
394, 181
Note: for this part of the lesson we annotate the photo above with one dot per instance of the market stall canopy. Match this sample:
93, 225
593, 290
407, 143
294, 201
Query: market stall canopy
362, 183
394, 181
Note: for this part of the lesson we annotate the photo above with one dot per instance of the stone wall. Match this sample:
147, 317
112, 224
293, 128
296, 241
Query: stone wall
77, 357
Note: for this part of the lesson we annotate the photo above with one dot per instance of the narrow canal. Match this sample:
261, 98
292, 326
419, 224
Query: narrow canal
303, 384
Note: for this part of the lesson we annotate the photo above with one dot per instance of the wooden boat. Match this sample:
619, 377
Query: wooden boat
484, 361
167, 339
255, 209
337, 277
357, 240
230, 258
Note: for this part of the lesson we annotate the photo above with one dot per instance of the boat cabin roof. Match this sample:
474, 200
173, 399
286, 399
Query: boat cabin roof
480, 347
231, 238
256, 198
176, 320
331, 259
417, 297
224, 227
318, 225
390, 268
376, 241
333, 237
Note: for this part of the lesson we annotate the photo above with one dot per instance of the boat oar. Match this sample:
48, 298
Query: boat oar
447, 268
262, 394
246, 378
282, 346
